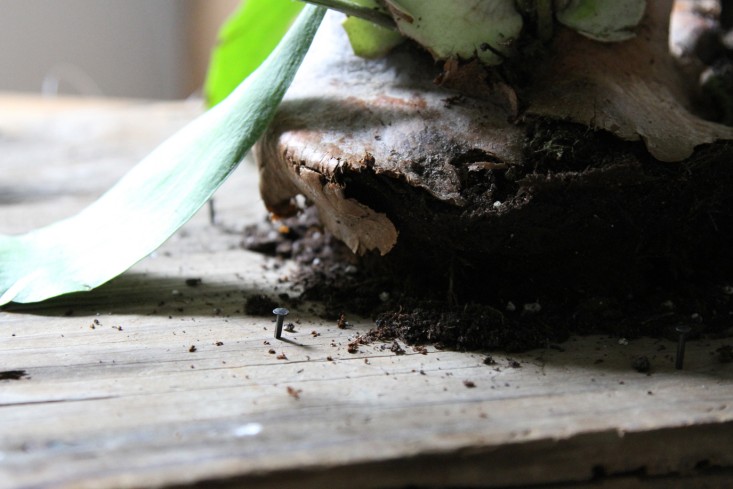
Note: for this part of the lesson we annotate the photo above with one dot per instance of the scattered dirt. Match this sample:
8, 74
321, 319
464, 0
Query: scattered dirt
511, 363
642, 365
725, 354
353, 346
397, 349
13, 374
260, 305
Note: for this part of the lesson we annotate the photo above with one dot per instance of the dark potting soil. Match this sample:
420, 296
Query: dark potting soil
259, 305
590, 234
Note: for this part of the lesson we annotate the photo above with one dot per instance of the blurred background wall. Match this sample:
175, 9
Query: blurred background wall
156, 49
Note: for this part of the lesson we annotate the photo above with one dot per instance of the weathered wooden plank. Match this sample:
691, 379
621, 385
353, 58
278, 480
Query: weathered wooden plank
127, 404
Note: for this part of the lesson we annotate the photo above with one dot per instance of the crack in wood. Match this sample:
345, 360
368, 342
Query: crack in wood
56, 401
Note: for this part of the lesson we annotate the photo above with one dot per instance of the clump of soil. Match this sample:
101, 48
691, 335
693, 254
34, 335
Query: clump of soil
13, 374
588, 234
642, 365
725, 354
259, 305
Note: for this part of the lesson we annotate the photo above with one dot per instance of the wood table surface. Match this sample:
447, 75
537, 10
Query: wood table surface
111, 393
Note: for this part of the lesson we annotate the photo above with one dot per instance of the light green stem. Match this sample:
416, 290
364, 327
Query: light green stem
353, 10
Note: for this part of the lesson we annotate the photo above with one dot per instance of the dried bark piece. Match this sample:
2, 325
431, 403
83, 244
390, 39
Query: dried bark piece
632, 89
345, 116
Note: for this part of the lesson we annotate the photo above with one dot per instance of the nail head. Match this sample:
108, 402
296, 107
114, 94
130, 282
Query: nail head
683, 329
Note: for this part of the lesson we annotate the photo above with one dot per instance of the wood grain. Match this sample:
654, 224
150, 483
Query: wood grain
113, 396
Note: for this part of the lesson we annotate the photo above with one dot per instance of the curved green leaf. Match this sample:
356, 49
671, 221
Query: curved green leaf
245, 40
157, 196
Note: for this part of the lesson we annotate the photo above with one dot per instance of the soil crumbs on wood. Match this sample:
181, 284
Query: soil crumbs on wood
13, 374
331, 275
654, 241
259, 305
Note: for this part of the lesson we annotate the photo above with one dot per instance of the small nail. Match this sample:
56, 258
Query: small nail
683, 331
280, 312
